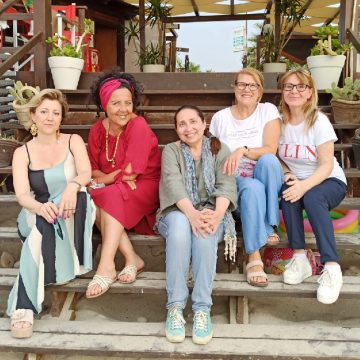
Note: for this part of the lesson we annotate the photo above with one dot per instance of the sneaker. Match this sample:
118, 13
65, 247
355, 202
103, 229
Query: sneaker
297, 270
175, 325
330, 283
202, 327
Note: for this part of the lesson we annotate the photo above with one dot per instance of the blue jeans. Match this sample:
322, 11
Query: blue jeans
317, 203
258, 202
181, 246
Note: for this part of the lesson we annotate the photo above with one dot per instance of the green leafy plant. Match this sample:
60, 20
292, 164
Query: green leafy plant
156, 11
350, 91
21, 93
151, 55
62, 47
328, 42
291, 13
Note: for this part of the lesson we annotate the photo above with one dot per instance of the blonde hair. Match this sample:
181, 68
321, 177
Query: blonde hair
310, 107
49, 94
256, 75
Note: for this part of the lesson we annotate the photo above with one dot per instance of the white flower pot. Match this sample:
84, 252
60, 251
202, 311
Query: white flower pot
325, 69
153, 68
274, 67
65, 71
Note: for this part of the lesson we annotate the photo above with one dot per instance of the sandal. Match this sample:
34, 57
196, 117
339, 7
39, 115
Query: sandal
251, 275
24, 316
130, 270
104, 282
273, 239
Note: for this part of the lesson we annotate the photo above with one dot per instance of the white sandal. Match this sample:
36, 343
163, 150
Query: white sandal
104, 282
22, 315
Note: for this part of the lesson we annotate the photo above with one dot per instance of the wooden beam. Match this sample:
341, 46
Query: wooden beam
354, 40
232, 7
328, 21
7, 64
7, 4
187, 19
277, 21
142, 26
345, 18
18, 16
195, 7
42, 24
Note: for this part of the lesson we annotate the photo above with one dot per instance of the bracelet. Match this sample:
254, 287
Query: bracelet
245, 147
77, 183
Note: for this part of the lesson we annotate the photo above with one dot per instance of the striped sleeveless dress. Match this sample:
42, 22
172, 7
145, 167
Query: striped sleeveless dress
52, 253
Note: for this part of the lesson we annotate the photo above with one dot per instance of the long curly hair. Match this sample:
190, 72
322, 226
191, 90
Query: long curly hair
115, 73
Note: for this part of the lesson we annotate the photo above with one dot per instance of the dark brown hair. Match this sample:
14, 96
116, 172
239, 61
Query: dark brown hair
215, 144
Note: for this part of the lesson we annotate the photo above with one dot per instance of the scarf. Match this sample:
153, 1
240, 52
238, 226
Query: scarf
208, 173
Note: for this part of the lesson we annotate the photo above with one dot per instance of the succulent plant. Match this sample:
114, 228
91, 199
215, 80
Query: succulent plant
22, 93
350, 91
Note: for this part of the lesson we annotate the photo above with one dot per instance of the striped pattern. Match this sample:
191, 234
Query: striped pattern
52, 253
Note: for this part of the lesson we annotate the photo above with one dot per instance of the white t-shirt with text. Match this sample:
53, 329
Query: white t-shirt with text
298, 149
246, 132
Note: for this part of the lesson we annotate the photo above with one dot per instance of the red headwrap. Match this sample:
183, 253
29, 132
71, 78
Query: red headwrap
108, 88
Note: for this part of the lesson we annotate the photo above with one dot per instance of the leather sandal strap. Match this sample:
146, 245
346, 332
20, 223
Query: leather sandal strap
22, 315
254, 263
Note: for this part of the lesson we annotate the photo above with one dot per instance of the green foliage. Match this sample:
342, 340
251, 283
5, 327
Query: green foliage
291, 13
22, 93
350, 91
194, 68
151, 55
64, 47
156, 11
328, 42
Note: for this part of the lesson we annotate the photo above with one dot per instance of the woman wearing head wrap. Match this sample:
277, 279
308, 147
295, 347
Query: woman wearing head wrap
125, 160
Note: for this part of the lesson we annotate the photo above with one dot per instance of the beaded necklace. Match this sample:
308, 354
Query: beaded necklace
112, 160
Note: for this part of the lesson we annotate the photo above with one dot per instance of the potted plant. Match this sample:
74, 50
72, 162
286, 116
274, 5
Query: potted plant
291, 13
150, 60
154, 53
65, 61
327, 57
21, 96
8, 145
346, 101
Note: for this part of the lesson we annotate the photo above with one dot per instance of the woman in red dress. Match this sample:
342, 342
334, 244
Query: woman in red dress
125, 160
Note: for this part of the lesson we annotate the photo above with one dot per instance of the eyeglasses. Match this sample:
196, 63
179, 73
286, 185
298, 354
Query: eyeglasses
243, 86
299, 87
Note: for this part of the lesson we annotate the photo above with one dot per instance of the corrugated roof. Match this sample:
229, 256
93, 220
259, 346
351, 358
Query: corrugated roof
318, 12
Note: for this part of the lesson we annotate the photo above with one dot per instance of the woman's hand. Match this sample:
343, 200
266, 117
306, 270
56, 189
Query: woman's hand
48, 211
296, 189
198, 225
67, 205
233, 160
213, 219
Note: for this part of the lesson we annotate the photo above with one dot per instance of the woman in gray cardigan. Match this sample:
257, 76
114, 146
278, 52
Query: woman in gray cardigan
195, 203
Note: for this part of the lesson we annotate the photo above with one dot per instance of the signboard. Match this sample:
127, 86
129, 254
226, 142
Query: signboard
181, 49
238, 38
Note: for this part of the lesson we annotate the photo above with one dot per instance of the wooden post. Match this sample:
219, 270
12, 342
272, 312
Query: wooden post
142, 26
277, 22
42, 22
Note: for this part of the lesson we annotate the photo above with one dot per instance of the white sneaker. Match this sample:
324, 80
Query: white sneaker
297, 270
330, 283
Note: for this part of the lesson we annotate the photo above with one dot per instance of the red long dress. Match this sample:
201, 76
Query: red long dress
138, 145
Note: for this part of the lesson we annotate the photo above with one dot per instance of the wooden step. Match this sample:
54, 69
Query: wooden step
343, 241
224, 285
147, 340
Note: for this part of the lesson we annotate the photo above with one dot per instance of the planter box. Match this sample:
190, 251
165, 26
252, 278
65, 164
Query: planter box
346, 111
7, 148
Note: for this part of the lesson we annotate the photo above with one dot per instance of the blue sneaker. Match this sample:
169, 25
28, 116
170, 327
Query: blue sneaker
175, 325
202, 327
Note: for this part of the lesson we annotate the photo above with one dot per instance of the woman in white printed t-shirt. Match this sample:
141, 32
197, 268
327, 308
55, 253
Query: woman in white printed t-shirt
251, 130
314, 181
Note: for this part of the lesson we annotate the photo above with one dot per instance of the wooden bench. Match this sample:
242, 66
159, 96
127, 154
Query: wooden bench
246, 342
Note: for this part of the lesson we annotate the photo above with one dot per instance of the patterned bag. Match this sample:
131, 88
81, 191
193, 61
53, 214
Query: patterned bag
275, 260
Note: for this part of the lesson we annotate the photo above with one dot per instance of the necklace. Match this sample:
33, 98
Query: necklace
112, 160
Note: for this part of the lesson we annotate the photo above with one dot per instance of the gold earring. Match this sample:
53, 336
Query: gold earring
33, 129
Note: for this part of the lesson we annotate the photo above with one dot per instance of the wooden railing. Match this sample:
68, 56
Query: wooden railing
42, 29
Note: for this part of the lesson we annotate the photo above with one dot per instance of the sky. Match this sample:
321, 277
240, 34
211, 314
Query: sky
211, 44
